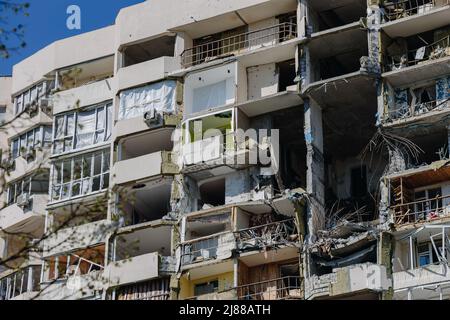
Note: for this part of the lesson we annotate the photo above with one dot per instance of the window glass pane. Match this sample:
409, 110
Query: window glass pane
105, 181
47, 135
23, 142
56, 189
77, 168
15, 148
96, 183
108, 121
97, 163
100, 118
59, 127
39, 185
67, 171
30, 138
26, 185
70, 124
85, 128
106, 161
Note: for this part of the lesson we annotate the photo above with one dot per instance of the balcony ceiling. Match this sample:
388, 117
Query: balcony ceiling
234, 19
419, 23
426, 70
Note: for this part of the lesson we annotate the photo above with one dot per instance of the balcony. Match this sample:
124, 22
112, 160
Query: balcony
427, 62
73, 238
396, 10
285, 288
145, 72
421, 211
76, 287
25, 219
221, 151
238, 44
39, 161
348, 281
138, 268
144, 167
209, 248
273, 234
418, 110
418, 279
85, 95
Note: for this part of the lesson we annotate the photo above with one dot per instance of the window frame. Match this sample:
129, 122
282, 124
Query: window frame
106, 108
38, 139
57, 176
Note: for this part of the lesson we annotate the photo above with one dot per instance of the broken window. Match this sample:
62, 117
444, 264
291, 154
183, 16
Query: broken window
34, 138
426, 254
428, 203
77, 263
359, 181
158, 97
80, 175
144, 51
82, 129
206, 287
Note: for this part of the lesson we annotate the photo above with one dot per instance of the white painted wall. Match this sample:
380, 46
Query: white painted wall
221, 81
262, 81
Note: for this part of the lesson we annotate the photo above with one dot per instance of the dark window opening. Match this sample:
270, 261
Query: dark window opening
359, 181
206, 287
287, 74
213, 193
149, 50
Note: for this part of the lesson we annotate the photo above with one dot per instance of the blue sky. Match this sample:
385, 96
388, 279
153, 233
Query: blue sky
47, 23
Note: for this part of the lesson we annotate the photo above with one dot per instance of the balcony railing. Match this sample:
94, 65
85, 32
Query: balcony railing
422, 210
276, 289
238, 43
418, 109
405, 8
270, 234
199, 250
433, 51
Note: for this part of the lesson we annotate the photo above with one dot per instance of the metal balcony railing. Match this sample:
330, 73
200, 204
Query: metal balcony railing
433, 51
422, 210
404, 8
238, 43
200, 249
418, 109
276, 289
275, 233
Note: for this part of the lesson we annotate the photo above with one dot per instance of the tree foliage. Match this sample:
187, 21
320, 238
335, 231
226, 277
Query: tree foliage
11, 33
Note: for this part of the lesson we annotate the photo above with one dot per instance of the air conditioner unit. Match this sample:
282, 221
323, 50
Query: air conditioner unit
32, 108
45, 104
29, 153
152, 117
23, 200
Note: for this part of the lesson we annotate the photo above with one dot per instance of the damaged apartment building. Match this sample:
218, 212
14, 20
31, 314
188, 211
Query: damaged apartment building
113, 186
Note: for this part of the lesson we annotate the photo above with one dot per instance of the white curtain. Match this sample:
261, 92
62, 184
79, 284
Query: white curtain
159, 97
85, 128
